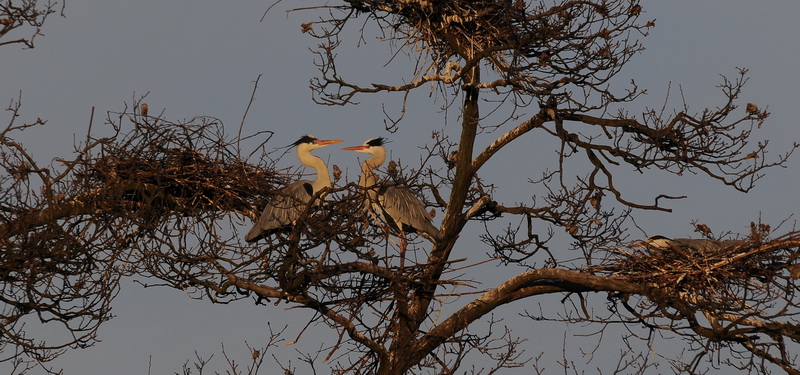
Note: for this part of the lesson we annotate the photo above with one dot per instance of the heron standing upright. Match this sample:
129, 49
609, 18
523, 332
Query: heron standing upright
396, 206
664, 243
288, 203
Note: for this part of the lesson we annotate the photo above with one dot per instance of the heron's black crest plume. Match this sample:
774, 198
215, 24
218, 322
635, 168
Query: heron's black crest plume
380, 141
305, 139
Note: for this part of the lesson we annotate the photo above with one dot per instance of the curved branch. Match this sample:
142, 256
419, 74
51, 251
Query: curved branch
531, 283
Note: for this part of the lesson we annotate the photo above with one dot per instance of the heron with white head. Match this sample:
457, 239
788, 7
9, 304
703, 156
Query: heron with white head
704, 245
288, 203
395, 206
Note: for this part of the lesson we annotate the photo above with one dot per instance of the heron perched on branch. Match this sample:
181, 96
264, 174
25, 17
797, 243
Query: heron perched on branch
395, 206
288, 203
664, 243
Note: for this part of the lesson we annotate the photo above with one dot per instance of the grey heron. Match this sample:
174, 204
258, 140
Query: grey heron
396, 206
288, 203
664, 243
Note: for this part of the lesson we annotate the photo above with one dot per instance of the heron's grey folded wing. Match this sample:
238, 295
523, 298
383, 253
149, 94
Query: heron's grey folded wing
282, 211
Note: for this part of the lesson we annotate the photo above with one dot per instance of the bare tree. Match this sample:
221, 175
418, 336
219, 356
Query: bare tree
71, 231
24, 17
164, 201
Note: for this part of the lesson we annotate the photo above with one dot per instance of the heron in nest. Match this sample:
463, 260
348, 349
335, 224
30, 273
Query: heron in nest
702, 245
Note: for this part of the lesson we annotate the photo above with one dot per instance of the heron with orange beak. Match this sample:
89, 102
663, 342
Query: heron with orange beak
288, 203
396, 206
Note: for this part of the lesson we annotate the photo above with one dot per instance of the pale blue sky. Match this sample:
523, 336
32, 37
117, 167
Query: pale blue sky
201, 57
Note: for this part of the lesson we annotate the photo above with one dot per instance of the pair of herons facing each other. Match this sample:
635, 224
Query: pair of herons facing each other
396, 206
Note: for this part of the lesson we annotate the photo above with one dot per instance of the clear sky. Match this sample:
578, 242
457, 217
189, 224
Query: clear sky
201, 58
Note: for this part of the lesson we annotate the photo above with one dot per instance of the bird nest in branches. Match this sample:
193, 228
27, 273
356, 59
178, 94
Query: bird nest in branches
457, 26
172, 168
479, 23
701, 272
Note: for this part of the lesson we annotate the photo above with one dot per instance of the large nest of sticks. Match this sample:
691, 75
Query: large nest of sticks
514, 36
705, 272
485, 24
177, 168
482, 23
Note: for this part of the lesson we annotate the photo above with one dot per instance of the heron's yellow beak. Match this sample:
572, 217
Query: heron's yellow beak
355, 148
325, 142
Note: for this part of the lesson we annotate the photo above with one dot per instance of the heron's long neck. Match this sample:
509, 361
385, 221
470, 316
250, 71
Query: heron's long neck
368, 170
323, 177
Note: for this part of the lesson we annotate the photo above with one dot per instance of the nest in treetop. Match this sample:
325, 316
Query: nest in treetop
474, 24
699, 272
513, 36
176, 169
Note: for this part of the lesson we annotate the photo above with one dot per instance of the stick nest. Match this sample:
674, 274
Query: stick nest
481, 23
705, 272
177, 168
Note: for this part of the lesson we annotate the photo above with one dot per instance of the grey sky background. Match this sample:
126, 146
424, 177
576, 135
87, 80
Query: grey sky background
198, 58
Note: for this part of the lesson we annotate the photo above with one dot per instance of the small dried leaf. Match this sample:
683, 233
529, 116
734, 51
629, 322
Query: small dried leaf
595, 203
337, 173
452, 159
794, 271
391, 169
702, 229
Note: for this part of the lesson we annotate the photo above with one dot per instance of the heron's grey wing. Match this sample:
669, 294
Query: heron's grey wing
706, 245
734, 243
282, 211
709, 245
405, 209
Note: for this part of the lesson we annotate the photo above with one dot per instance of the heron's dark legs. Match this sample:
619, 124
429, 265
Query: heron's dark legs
403, 245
